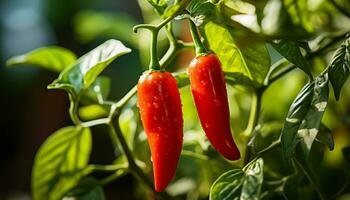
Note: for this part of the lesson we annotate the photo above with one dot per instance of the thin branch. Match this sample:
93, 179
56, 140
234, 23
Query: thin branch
311, 180
95, 122
133, 167
194, 155
253, 120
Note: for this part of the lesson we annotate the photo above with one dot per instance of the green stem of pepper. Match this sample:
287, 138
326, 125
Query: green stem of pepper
154, 63
199, 46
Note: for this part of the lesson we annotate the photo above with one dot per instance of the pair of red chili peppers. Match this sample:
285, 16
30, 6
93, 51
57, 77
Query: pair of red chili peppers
160, 109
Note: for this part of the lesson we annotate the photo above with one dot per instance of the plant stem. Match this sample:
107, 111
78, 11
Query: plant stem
274, 144
73, 109
200, 48
112, 177
115, 129
175, 46
107, 167
253, 121
311, 180
154, 63
95, 122
133, 167
194, 155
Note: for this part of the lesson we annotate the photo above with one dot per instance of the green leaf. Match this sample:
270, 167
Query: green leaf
87, 189
159, 5
310, 125
176, 8
297, 112
201, 10
239, 184
339, 67
290, 50
253, 62
227, 186
253, 179
60, 162
50, 58
128, 125
304, 117
85, 71
99, 90
93, 111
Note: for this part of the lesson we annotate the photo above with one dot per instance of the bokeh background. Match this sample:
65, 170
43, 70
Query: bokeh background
30, 112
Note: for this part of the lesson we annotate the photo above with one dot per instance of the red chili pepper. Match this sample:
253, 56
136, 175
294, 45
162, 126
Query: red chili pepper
160, 108
209, 92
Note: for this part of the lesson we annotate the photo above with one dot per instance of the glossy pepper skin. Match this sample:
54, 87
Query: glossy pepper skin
210, 96
160, 109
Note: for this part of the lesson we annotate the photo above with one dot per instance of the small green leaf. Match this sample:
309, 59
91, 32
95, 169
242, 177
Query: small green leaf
50, 58
87, 189
227, 186
297, 112
85, 71
309, 127
93, 111
60, 162
159, 5
239, 184
339, 67
290, 50
253, 179
175, 9
253, 62
201, 10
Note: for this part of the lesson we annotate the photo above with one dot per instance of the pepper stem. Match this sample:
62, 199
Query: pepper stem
199, 46
154, 63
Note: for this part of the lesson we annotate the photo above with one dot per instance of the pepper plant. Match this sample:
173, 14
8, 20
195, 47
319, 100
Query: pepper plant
280, 157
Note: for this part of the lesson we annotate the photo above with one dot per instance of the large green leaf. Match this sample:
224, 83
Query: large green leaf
85, 71
339, 67
252, 61
290, 50
50, 58
60, 162
87, 189
310, 126
304, 117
